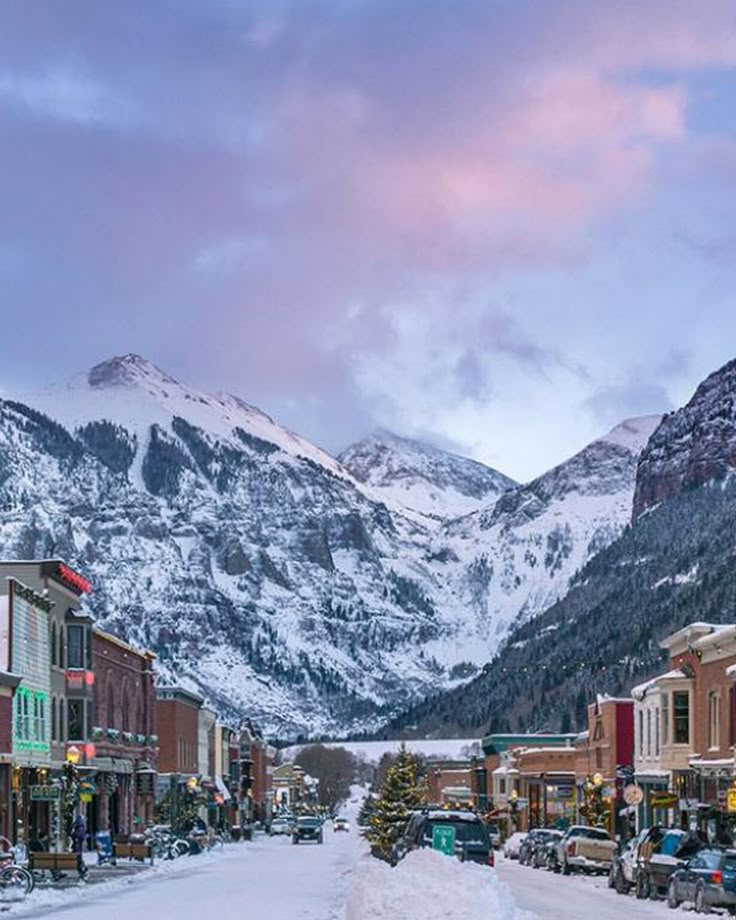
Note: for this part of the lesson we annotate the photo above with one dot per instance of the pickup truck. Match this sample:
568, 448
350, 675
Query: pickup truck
648, 861
585, 849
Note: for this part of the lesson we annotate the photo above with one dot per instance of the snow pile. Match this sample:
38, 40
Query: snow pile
428, 886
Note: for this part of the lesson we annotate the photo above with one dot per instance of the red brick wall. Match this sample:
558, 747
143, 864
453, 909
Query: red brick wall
178, 736
709, 677
123, 688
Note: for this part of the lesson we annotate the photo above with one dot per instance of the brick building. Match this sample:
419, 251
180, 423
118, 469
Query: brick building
684, 725
449, 781
124, 733
606, 751
177, 721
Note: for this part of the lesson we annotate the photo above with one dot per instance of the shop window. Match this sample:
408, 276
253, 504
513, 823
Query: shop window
665, 706
681, 716
501, 786
75, 720
714, 717
75, 650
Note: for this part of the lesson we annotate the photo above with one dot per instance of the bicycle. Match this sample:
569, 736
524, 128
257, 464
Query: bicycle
14, 877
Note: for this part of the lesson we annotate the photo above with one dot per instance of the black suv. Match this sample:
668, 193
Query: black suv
307, 828
459, 833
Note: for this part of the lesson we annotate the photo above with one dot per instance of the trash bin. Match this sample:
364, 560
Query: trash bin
235, 832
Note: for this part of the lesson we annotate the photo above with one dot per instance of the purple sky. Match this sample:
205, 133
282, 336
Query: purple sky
502, 225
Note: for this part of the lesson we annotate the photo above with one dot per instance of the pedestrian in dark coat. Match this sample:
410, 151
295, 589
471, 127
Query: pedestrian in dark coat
79, 832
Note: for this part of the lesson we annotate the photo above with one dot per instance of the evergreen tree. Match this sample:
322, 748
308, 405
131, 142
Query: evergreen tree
367, 810
401, 793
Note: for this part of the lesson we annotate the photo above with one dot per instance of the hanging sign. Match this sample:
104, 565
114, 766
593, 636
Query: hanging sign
44, 793
633, 794
731, 799
663, 800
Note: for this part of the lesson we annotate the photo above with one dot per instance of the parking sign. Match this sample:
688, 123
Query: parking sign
443, 839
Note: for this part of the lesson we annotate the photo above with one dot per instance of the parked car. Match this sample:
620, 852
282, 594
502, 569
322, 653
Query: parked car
467, 831
340, 824
308, 827
708, 880
513, 845
495, 834
661, 852
584, 849
280, 826
529, 844
543, 854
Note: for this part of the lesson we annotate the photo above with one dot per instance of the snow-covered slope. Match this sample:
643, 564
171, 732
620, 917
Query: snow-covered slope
262, 571
422, 478
250, 560
515, 558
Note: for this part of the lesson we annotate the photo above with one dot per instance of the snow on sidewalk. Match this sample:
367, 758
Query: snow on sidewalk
428, 886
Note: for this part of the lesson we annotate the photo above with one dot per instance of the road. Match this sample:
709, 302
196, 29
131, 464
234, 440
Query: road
269, 877
557, 897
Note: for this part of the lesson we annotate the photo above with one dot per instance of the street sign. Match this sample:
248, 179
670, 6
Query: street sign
731, 799
633, 794
443, 839
663, 800
44, 793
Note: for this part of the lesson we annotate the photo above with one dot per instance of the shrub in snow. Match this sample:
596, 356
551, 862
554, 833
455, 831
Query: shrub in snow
429, 885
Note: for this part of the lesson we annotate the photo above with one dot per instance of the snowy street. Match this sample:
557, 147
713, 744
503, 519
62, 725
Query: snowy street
555, 897
270, 876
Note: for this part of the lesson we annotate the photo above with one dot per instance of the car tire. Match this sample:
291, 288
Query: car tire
672, 896
620, 884
701, 905
643, 886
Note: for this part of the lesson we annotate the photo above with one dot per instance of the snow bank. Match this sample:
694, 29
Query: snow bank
428, 886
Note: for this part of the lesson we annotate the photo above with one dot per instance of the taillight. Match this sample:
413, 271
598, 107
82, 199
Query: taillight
491, 859
716, 877
571, 849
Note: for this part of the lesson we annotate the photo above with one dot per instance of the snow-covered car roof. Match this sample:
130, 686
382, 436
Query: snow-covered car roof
440, 814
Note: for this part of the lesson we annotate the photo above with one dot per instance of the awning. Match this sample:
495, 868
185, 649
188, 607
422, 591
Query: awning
222, 789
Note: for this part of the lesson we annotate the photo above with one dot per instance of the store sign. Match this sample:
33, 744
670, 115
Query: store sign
44, 793
633, 794
663, 800
731, 799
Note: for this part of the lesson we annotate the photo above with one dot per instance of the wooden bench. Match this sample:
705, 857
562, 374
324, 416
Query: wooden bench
139, 851
57, 864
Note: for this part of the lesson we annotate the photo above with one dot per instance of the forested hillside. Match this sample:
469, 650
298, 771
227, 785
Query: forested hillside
677, 564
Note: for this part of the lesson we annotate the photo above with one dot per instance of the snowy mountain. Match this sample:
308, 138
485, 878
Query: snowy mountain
422, 478
513, 559
692, 446
262, 571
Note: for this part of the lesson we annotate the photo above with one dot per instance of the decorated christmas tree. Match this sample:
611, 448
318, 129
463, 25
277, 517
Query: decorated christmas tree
401, 793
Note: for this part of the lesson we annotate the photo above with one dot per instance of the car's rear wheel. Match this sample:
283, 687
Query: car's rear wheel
701, 905
672, 900
642, 886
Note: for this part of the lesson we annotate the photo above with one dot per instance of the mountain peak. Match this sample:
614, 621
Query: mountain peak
422, 477
127, 371
633, 433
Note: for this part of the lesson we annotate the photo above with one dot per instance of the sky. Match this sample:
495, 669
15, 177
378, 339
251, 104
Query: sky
499, 225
